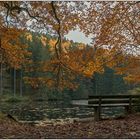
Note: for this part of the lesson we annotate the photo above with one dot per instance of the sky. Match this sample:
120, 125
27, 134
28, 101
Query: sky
75, 35
78, 36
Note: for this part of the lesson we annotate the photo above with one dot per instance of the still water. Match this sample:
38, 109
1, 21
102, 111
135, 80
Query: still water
37, 111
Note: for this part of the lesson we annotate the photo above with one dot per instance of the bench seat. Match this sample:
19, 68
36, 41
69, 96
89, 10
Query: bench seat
98, 101
113, 105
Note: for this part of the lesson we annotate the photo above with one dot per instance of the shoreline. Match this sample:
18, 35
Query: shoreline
128, 127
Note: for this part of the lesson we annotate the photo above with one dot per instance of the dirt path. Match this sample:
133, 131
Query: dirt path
115, 128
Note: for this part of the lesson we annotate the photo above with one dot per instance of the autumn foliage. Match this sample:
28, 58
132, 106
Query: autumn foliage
114, 26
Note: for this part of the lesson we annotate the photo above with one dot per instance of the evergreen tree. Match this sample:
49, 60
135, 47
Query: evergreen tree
108, 83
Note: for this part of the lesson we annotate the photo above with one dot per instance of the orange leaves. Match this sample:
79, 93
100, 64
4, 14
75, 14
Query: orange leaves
93, 67
28, 36
43, 40
114, 26
125, 64
14, 52
52, 43
38, 82
132, 78
90, 69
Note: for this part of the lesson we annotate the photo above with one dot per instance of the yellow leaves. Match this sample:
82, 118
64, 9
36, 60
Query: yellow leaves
43, 40
132, 78
15, 55
111, 26
90, 69
52, 43
28, 37
82, 61
56, 27
34, 82
66, 46
125, 64
81, 46
129, 78
14, 51
40, 81
50, 83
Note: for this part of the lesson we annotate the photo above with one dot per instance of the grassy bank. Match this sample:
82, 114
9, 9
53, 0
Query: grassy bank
7, 97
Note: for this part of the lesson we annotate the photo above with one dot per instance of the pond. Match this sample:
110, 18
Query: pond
37, 111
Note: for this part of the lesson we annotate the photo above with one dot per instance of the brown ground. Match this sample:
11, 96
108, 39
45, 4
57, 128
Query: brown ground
115, 128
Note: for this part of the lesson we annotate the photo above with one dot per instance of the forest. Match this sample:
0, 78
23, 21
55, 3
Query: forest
42, 71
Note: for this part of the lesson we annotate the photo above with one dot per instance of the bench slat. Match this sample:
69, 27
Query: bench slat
112, 105
106, 99
113, 96
108, 105
126, 101
112, 101
116, 104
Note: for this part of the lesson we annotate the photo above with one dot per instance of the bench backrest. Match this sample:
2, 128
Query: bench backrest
112, 100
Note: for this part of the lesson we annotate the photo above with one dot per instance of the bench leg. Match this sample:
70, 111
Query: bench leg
128, 110
97, 113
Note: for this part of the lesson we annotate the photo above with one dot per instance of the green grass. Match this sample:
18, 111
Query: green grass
7, 97
16, 99
138, 90
134, 91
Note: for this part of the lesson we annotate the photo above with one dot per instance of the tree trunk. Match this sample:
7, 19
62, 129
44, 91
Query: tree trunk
21, 83
14, 82
1, 75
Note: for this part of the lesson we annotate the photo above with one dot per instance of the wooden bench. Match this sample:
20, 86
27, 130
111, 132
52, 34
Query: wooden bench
127, 101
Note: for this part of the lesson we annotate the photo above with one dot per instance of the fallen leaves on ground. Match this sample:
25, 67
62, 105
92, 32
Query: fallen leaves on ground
129, 127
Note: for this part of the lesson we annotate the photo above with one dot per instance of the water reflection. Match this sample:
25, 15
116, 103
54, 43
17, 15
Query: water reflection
32, 111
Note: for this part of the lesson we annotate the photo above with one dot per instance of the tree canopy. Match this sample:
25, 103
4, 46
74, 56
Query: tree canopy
115, 27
